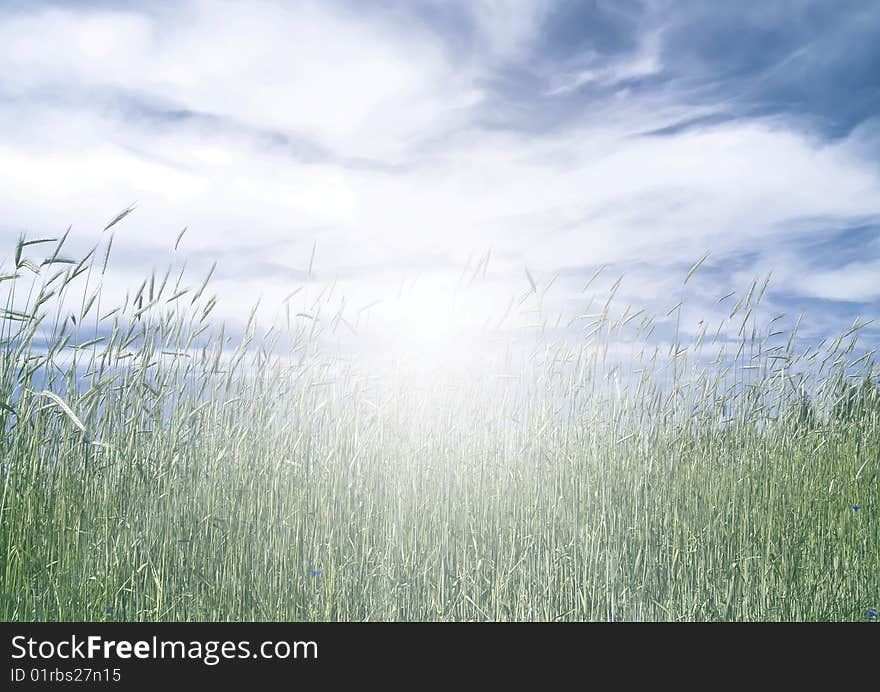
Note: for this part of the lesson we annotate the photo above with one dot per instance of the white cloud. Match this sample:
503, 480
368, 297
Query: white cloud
592, 69
442, 186
342, 80
855, 281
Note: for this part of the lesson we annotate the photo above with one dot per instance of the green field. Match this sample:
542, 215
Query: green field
158, 467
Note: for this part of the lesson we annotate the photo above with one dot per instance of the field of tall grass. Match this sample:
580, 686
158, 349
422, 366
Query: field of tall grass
157, 465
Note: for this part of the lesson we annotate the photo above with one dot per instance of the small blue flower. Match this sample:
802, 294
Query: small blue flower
315, 572
856, 508
108, 612
871, 613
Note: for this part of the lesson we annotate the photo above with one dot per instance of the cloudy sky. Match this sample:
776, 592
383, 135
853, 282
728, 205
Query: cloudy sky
401, 138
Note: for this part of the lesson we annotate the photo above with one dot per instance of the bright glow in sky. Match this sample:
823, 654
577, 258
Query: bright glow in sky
406, 137
435, 324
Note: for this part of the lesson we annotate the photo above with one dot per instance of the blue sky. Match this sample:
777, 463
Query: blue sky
405, 137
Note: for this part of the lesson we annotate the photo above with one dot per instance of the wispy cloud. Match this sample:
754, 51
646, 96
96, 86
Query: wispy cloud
413, 135
594, 69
